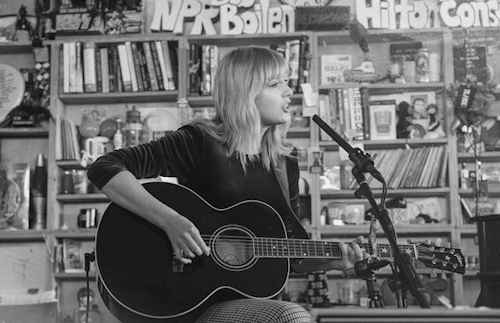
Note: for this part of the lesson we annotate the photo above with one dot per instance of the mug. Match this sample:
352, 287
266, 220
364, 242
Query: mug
97, 146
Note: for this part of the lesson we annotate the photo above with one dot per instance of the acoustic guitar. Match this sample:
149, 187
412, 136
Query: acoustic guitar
140, 281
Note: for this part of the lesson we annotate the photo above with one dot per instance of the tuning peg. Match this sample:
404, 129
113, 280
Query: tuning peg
433, 273
443, 275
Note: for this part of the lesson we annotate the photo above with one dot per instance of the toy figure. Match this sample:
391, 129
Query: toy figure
405, 117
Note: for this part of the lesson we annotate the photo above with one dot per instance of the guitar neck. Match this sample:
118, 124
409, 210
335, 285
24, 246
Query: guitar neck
299, 248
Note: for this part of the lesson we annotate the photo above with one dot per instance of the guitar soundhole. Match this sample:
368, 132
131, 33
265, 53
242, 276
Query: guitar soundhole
232, 248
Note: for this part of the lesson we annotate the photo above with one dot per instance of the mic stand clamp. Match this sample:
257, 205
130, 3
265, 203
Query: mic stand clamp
374, 294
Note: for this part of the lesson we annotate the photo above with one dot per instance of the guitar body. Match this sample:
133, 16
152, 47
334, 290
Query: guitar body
136, 275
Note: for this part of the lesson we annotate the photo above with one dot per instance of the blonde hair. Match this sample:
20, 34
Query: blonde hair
241, 76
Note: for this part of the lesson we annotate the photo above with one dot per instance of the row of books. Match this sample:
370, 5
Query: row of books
67, 141
348, 112
204, 59
123, 67
422, 167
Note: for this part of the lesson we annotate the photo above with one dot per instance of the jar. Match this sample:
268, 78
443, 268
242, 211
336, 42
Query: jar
133, 128
422, 66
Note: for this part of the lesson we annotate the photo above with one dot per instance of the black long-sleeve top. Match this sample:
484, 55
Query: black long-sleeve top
200, 162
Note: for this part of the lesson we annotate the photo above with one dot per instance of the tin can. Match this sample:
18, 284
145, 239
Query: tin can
87, 218
422, 66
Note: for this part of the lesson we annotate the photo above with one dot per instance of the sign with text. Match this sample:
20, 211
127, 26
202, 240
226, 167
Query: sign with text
233, 17
425, 14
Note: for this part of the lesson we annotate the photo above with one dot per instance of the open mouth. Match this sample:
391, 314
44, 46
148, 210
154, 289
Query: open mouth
286, 107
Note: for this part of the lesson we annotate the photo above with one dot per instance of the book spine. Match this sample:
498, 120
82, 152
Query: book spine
98, 70
357, 114
104, 69
194, 69
365, 105
111, 69
168, 65
214, 62
156, 64
79, 67
205, 70
161, 61
150, 64
89, 66
124, 68
143, 67
137, 67
131, 66
66, 62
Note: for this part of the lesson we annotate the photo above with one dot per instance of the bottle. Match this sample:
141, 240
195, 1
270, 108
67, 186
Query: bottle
39, 193
422, 66
464, 176
133, 128
118, 136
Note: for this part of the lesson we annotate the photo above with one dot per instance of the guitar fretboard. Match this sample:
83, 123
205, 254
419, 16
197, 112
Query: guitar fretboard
297, 248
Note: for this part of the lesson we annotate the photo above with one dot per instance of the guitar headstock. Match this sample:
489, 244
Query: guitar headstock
449, 259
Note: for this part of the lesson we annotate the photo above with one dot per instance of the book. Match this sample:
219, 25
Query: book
333, 67
382, 116
163, 67
73, 256
79, 67
15, 193
105, 72
124, 68
66, 68
357, 122
153, 80
98, 70
137, 66
72, 67
89, 66
131, 66
194, 68
168, 64
156, 65
143, 67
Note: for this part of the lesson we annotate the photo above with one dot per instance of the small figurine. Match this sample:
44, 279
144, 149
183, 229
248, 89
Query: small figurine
405, 117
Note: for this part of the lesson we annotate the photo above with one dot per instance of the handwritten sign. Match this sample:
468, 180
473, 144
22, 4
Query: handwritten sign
11, 89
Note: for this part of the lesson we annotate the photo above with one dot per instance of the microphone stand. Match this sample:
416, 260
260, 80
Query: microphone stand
364, 164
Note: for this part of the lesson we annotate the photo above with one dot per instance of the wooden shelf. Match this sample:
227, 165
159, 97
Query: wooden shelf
486, 156
119, 97
74, 276
333, 231
24, 133
387, 144
82, 198
414, 192
23, 235
469, 192
392, 87
83, 234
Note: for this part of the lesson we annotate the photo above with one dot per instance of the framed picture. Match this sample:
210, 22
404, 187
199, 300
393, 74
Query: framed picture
73, 258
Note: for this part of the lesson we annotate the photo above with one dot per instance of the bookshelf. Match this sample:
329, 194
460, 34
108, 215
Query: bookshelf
63, 208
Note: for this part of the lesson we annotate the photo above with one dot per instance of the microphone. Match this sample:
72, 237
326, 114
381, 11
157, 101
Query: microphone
364, 268
361, 160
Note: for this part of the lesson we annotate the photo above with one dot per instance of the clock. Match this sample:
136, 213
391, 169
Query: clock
11, 89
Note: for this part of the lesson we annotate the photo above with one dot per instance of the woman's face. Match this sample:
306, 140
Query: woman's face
273, 103
419, 106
